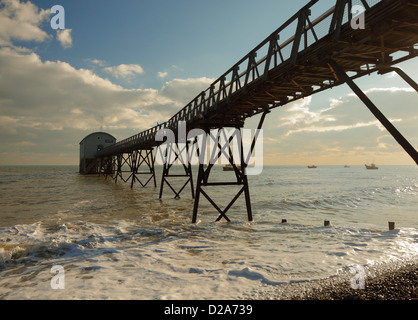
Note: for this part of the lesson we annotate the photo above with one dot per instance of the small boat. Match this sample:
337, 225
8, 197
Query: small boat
312, 167
229, 167
371, 167
346, 166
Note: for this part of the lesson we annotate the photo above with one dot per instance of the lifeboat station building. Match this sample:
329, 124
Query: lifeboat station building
89, 146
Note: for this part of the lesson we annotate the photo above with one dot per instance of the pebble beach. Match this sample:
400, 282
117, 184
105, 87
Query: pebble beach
388, 282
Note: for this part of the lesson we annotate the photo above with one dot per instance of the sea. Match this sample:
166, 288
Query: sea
68, 236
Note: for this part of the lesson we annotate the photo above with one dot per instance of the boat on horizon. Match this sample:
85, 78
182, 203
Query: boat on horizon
229, 167
312, 167
371, 167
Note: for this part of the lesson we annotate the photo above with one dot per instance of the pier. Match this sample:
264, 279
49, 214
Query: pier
324, 52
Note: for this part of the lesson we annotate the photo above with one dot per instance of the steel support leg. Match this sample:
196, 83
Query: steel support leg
107, 166
104, 166
121, 161
152, 159
241, 179
119, 166
376, 112
134, 167
200, 177
173, 148
240, 174
139, 159
203, 177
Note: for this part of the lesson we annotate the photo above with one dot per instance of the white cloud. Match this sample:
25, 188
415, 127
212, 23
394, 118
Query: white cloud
388, 90
76, 111
337, 128
52, 104
97, 62
182, 91
124, 70
339, 116
21, 21
162, 75
54, 96
25, 144
299, 113
64, 37
319, 122
326, 130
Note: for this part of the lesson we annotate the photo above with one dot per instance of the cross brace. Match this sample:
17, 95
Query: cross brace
173, 148
139, 159
113, 166
240, 173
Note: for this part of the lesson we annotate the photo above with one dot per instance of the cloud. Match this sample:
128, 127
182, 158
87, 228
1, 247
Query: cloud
64, 37
339, 116
162, 75
182, 91
52, 104
339, 128
21, 21
97, 62
124, 70
324, 130
388, 90
299, 114
53, 95
25, 144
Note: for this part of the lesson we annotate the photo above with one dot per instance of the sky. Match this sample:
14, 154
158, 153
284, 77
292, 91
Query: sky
123, 66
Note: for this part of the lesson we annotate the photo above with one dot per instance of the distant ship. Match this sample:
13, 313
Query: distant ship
371, 167
346, 166
229, 167
312, 167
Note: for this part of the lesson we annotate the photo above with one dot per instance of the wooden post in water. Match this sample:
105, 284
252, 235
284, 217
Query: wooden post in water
391, 225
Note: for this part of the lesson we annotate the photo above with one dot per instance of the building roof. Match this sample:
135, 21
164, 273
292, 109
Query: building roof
97, 133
